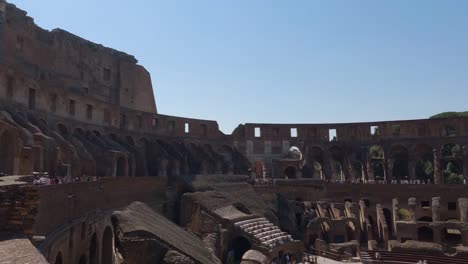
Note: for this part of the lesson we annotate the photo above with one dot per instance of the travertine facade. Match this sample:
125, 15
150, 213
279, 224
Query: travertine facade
74, 109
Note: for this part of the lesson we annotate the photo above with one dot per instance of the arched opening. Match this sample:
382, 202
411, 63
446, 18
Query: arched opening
107, 248
376, 158
239, 246
78, 132
93, 250
425, 234
83, 260
452, 163
120, 167
388, 220
7, 152
351, 231
425, 219
399, 155
314, 157
336, 160
62, 129
290, 172
424, 167
58, 258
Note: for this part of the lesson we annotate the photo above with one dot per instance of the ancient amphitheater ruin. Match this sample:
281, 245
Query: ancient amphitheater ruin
94, 174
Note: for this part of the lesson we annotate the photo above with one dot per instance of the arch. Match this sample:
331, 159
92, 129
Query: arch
8, 143
336, 159
93, 250
78, 131
62, 129
388, 219
451, 150
239, 246
58, 258
425, 234
107, 248
120, 166
399, 156
314, 159
351, 230
290, 172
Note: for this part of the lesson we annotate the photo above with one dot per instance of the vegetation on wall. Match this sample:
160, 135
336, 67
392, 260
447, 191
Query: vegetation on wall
449, 114
404, 214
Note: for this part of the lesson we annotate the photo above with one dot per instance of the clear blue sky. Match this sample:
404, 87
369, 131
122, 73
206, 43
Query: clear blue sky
284, 61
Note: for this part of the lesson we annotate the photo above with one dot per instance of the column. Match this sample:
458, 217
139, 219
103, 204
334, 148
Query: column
412, 167
370, 171
327, 169
463, 206
389, 170
437, 169
435, 209
396, 215
465, 163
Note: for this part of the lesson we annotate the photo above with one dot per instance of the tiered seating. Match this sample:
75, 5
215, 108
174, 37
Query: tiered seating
265, 232
410, 257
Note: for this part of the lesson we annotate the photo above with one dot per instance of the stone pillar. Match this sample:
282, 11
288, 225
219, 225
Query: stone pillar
412, 168
437, 169
348, 170
464, 234
412, 208
2, 24
389, 170
465, 163
463, 206
435, 209
370, 171
396, 215
327, 168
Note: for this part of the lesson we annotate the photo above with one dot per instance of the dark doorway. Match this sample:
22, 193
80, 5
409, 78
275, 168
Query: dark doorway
7, 152
290, 172
240, 245
107, 251
425, 234
58, 258
120, 167
93, 256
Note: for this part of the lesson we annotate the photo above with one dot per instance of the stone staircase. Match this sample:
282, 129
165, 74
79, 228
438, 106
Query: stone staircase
264, 232
365, 258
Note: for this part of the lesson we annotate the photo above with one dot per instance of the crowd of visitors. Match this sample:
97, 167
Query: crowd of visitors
45, 179
272, 181
380, 181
